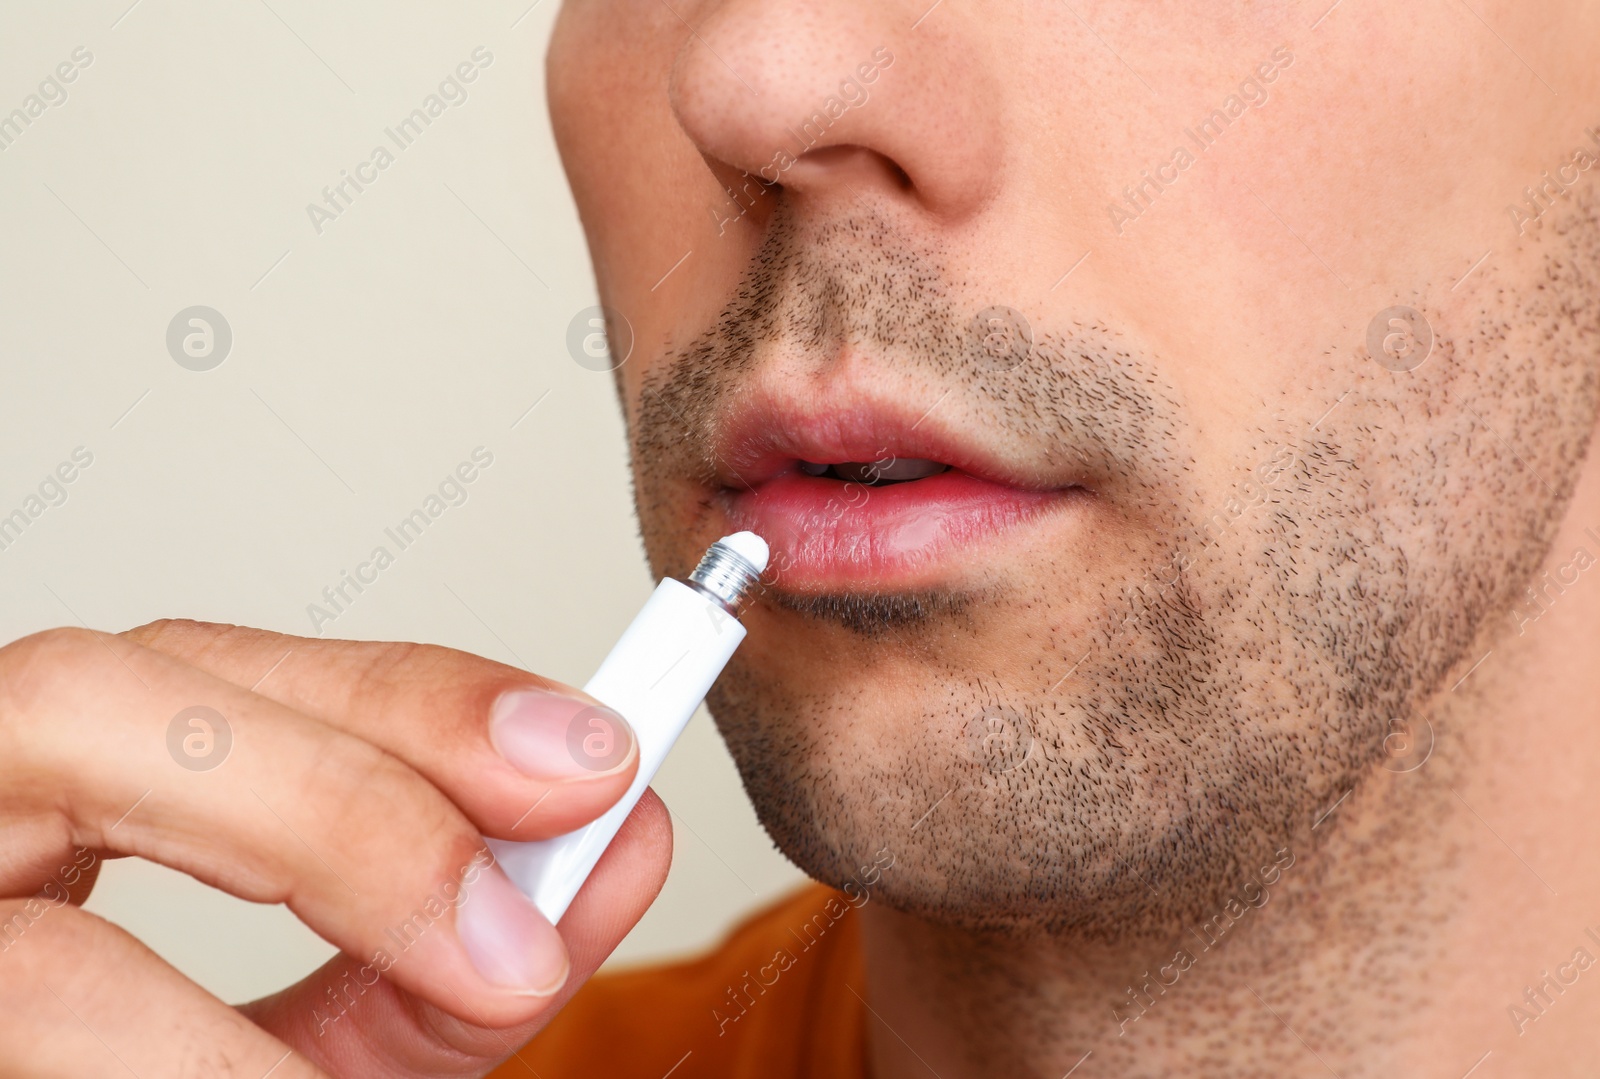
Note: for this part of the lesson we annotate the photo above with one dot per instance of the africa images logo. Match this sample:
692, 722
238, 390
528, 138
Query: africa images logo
1538, 200
852, 94
451, 93
1252, 93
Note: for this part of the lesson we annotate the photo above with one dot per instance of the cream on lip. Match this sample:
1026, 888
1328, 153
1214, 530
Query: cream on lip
827, 534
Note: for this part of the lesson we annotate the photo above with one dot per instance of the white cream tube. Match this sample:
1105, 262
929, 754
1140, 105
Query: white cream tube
654, 677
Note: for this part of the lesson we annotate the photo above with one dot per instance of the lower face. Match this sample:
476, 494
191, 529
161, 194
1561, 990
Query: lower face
1094, 694
1125, 587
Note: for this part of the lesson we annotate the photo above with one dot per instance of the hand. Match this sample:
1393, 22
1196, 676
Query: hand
359, 779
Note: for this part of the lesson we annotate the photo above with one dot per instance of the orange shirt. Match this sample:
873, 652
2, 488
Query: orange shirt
776, 1000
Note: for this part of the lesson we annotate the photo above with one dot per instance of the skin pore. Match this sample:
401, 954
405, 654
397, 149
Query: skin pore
1268, 691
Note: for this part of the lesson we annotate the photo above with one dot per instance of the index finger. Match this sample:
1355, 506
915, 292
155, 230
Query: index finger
523, 757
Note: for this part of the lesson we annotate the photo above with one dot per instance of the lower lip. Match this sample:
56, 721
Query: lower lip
826, 533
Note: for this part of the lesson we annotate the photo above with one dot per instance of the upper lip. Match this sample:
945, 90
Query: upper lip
770, 428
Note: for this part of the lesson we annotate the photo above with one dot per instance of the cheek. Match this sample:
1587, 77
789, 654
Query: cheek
1323, 206
613, 126
645, 195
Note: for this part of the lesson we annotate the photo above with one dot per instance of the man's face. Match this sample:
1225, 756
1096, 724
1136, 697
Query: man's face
1215, 519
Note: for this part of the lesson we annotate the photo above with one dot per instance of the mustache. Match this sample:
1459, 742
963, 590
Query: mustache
1075, 396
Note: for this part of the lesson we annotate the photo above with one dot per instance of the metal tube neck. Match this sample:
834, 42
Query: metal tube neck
725, 575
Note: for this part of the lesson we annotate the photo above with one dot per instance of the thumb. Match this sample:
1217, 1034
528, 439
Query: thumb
350, 1020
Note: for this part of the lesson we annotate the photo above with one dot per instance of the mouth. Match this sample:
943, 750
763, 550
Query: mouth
856, 492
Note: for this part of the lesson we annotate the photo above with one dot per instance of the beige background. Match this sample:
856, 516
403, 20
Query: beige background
425, 321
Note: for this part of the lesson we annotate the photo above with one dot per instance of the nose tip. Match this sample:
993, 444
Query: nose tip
829, 100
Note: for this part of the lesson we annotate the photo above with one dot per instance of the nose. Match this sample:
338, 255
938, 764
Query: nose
833, 97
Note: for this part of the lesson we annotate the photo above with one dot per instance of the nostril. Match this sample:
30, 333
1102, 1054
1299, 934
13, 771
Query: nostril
847, 165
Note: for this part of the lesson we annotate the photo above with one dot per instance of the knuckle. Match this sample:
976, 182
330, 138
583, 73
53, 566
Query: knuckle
392, 667
381, 667
39, 665
189, 639
40, 939
167, 629
53, 642
373, 676
448, 683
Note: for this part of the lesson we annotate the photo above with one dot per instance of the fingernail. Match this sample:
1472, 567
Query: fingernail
553, 736
509, 942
